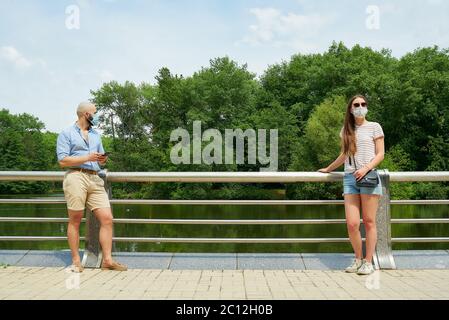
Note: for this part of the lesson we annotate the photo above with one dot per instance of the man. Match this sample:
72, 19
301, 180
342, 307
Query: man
80, 149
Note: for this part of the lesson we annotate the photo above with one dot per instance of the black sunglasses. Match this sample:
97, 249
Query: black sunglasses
358, 104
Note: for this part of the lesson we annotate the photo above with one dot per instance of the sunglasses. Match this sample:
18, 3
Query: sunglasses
363, 104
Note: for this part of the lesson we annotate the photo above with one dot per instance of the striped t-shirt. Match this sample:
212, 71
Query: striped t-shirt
366, 148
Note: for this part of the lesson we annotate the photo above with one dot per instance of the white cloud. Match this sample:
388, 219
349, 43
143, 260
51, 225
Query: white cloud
13, 56
268, 22
278, 29
134, 39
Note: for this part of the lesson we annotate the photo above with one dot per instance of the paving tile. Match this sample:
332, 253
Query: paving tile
45, 258
144, 260
272, 261
326, 261
11, 257
421, 259
200, 261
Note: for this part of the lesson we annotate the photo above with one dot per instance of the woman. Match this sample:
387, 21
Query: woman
362, 143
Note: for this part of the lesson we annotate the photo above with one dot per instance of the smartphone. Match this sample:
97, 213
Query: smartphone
106, 154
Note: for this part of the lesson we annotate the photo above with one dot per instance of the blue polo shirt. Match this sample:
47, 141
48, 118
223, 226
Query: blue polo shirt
71, 143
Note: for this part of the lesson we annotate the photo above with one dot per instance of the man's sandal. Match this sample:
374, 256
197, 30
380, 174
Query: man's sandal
115, 266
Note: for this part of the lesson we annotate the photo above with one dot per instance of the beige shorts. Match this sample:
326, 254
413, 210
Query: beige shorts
81, 189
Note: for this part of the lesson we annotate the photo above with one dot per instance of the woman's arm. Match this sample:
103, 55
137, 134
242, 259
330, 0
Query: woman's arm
338, 162
334, 165
380, 153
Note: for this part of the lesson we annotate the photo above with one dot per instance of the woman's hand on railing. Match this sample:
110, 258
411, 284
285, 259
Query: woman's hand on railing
324, 170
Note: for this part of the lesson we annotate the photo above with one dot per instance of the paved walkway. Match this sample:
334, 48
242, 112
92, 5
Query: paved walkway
58, 283
405, 259
32, 274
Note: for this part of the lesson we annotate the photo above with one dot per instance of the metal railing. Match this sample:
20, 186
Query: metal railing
92, 254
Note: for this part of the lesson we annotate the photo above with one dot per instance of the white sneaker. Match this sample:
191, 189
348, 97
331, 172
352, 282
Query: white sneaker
356, 264
366, 268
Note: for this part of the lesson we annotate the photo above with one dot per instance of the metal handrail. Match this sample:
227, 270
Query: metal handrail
383, 252
218, 202
244, 177
224, 221
226, 240
187, 240
188, 221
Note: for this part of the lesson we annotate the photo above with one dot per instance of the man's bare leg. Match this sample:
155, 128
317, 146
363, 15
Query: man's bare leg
104, 216
73, 234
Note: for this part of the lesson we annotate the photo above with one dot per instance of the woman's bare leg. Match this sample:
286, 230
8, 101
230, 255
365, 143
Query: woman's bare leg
352, 212
369, 210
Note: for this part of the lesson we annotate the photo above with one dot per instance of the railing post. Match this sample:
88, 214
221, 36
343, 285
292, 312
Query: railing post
108, 188
93, 256
92, 250
383, 256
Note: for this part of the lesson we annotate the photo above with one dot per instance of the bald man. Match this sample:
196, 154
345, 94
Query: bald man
79, 149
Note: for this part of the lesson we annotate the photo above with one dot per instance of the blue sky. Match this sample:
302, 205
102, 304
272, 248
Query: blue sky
46, 69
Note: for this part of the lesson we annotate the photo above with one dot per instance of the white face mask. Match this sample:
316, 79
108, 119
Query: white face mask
359, 112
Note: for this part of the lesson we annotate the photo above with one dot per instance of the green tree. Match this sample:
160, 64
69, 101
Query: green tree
318, 147
23, 147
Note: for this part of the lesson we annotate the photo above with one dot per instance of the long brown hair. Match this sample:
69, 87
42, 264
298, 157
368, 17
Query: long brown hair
348, 146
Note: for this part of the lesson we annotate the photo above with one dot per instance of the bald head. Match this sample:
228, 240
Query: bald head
84, 107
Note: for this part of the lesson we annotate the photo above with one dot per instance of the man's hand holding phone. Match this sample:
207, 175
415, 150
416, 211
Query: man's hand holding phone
94, 157
98, 157
103, 158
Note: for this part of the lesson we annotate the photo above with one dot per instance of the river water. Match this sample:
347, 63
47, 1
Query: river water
222, 231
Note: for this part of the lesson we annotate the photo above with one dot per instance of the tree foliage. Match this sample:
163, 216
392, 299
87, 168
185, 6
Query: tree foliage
304, 98
24, 146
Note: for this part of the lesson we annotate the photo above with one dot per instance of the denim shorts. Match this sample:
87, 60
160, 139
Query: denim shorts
349, 186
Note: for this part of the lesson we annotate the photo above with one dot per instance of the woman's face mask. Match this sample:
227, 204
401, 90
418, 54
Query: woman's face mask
359, 112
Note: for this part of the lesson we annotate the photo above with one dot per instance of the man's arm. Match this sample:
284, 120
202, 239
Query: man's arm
63, 151
76, 161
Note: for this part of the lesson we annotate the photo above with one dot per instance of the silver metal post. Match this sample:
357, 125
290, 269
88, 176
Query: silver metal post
92, 251
108, 188
383, 256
